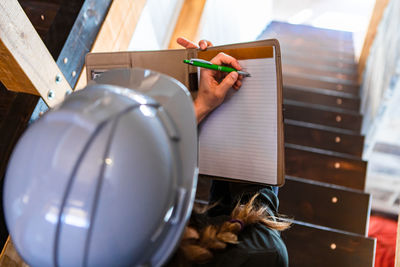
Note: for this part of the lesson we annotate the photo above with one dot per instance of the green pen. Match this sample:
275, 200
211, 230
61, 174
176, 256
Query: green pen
208, 65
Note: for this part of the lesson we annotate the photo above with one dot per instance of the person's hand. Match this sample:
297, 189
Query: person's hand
203, 44
214, 85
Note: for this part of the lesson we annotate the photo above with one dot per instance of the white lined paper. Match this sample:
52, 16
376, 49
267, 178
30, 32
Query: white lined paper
239, 139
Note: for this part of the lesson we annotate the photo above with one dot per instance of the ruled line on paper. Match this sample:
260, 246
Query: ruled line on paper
239, 139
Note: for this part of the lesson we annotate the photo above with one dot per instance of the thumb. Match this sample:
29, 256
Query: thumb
228, 82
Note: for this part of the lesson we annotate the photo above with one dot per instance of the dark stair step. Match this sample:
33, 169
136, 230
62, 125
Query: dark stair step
325, 166
318, 114
335, 67
317, 136
322, 97
316, 51
315, 62
301, 70
316, 246
325, 204
312, 81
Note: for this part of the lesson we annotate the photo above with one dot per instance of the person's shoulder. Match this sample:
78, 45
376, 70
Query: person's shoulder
263, 244
258, 246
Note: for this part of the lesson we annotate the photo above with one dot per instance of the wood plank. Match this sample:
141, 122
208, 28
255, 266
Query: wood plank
9, 256
304, 60
14, 123
118, 26
318, 114
301, 70
310, 135
376, 17
81, 36
325, 166
188, 21
116, 31
322, 97
321, 57
325, 79
6, 100
328, 66
71, 37
65, 21
317, 51
41, 14
325, 204
21, 49
312, 81
311, 245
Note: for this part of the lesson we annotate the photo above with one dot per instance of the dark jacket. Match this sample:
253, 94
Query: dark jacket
258, 244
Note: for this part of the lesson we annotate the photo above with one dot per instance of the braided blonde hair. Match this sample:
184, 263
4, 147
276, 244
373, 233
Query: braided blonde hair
197, 245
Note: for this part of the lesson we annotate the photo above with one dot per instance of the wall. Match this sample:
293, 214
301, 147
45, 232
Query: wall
232, 21
381, 76
156, 25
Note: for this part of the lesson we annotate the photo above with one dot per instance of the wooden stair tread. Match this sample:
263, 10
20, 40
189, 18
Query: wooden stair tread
320, 79
325, 204
324, 139
320, 97
301, 70
312, 245
325, 166
314, 82
317, 114
304, 60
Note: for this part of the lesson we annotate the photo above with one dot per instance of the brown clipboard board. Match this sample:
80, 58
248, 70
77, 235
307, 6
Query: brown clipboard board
169, 62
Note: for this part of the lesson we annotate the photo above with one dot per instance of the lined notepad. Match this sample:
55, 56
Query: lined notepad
239, 139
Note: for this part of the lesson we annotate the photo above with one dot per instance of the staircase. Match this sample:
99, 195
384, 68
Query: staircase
324, 190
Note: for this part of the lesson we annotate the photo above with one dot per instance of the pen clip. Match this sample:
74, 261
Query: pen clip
200, 60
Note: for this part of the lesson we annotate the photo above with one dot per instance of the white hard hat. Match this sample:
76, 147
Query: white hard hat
108, 177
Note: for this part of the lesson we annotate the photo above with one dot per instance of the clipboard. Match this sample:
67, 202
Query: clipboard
169, 62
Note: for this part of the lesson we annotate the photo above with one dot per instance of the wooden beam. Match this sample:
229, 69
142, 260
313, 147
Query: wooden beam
188, 21
9, 256
25, 63
376, 18
71, 36
117, 30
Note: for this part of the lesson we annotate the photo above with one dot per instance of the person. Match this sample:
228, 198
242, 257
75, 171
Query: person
242, 225
110, 177
213, 85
